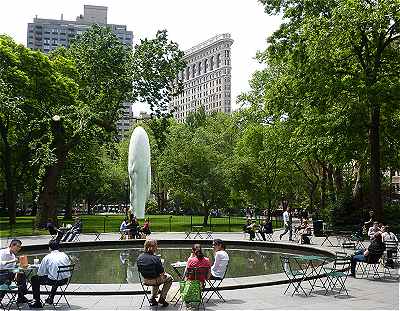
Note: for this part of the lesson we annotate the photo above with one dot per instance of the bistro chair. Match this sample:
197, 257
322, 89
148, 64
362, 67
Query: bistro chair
295, 277
390, 259
146, 291
196, 275
338, 274
8, 291
371, 262
62, 283
214, 286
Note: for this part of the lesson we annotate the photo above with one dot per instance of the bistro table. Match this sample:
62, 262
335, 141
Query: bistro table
179, 268
314, 266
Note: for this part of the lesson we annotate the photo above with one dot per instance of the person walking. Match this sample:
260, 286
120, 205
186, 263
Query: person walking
287, 224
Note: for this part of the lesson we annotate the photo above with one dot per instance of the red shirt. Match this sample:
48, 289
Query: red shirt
195, 262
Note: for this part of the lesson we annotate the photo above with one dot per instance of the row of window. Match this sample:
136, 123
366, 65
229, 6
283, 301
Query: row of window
209, 52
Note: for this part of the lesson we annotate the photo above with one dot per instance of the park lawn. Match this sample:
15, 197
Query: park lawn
110, 223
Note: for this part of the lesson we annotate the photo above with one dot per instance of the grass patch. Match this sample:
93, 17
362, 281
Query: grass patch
158, 223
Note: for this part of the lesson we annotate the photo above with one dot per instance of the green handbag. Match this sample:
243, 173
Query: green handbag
190, 291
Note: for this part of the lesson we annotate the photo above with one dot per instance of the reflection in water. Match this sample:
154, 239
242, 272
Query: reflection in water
104, 266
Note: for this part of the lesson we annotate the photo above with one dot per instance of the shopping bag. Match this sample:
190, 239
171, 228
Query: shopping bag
190, 291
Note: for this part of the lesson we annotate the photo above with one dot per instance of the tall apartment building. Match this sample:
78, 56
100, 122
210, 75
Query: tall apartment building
206, 78
47, 34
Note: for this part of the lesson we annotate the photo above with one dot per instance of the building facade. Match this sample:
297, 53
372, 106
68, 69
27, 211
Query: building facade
206, 78
47, 34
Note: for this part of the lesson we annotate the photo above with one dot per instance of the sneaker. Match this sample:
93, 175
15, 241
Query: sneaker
153, 302
49, 301
22, 299
163, 303
36, 305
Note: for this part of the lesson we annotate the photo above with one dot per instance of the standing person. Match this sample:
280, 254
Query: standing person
369, 222
150, 267
197, 261
8, 260
374, 229
287, 221
47, 274
221, 260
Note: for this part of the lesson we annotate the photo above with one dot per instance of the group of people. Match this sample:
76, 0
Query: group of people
151, 268
252, 228
131, 229
47, 273
64, 234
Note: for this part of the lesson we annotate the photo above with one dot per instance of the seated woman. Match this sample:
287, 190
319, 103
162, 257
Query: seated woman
198, 260
133, 227
372, 254
305, 232
146, 227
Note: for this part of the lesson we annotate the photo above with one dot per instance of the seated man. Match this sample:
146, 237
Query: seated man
265, 228
372, 254
47, 274
53, 230
221, 260
123, 229
388, 236
249, 228
374, 229
150, 267
8, 261
75, 229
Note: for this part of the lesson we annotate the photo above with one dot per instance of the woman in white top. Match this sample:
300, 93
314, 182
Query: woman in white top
221, 260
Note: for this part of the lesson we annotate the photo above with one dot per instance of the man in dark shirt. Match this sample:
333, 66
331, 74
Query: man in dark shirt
372, 254
152, 270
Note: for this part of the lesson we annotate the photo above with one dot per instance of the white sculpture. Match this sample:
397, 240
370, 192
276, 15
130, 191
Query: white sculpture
139, 170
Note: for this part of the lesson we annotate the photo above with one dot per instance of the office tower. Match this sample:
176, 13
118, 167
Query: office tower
46, 34
206, 78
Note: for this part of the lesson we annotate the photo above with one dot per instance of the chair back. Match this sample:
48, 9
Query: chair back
391, 245
198, 273
349, 245
63, 271
342, 261
287, 267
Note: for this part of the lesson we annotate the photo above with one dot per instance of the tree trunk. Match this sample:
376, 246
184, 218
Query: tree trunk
10, 191
322, 203
331, 189
338, 175
68, 204
48, 195
376, 198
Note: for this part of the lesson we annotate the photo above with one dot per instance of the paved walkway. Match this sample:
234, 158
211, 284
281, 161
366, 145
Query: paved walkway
364, 293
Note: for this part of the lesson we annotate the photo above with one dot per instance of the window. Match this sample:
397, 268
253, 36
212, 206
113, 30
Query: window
212, 63
218, 60
193, 70
205, 65
199, 69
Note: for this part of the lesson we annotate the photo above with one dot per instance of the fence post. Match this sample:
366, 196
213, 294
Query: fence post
210, 223
104, 225
229, 219
191, 222
33, 226
170, 221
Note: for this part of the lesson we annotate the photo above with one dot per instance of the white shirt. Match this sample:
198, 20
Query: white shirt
371, 232
388, 236
51, 262
6, 255
220, 263
286, 217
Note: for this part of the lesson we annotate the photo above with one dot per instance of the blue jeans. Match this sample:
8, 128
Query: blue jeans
357, 257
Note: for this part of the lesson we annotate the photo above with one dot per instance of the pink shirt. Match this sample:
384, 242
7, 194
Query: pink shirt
195, 262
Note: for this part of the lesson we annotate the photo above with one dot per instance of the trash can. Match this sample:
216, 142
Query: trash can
318, 225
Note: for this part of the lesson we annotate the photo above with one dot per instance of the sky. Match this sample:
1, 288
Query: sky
188, 23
